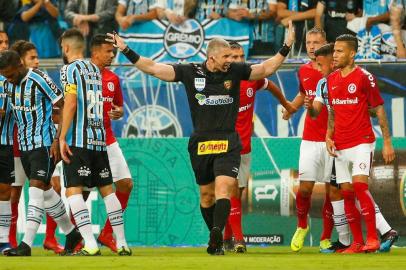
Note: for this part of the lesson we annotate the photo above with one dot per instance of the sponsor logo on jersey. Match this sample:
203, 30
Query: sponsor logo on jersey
110, 86
200, 84
108, 99
352, 88
245, 108
250, 92
212, 147
228, 84
41, 173
362, 166
214, 100
84, 171
348, 101
24, 108
96, 142
184, 40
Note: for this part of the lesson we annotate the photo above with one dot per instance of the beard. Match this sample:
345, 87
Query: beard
65, 59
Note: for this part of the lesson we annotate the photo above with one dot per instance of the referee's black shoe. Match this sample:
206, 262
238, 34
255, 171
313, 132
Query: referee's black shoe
21, 250
72, 239
216, 242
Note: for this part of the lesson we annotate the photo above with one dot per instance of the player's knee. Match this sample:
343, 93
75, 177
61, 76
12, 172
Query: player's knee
38, 184
124, 185
207, 198
335, 194
5, 192
305, 192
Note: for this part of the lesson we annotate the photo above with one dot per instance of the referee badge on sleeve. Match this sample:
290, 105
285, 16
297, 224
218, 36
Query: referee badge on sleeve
200, 84
71, 89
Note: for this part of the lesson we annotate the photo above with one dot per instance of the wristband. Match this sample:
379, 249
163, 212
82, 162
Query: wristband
131, 55
285, 50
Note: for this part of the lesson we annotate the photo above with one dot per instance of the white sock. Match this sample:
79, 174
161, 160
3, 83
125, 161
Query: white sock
340, 222
35, 213
82, 219
381, 223
115, 214
57, 211
5, 221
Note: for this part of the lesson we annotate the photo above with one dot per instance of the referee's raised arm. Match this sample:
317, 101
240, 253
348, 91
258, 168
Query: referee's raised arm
164, 72
268, 67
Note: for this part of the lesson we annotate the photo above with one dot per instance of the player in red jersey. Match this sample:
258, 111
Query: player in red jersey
314, 162
102, 54
351, 140
244, 127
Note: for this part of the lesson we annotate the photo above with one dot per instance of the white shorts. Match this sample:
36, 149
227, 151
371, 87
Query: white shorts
58, 170
356, 160
20, 176
118, 165
244, 171
315, 164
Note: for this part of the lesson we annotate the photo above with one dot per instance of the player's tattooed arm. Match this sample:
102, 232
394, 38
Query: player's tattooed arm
329, 135
388, 152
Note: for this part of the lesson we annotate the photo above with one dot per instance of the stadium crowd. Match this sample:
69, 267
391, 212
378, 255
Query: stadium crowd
43, 21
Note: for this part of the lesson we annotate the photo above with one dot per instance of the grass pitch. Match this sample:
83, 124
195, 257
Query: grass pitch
196, 258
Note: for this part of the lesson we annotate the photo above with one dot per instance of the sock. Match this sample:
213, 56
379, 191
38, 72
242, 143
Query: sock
235, 218
340, 222
221, 213
57, 211
123, 198
367, 208
328, 221
13, 226
228, 232
82, 219
381, 223
51, 228
208, 215
5, 221
353, 216
115, 214
72, 218
302, 209
35, 212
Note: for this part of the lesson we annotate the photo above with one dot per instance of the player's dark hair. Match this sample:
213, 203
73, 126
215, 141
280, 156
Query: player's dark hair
325, 50
316, 30
75, 35
351, 40
98, 40
9, 58
235, 45
22, 47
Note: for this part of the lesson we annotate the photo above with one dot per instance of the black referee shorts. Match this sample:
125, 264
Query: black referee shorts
88, 168
212, 155
6, 164
37, 164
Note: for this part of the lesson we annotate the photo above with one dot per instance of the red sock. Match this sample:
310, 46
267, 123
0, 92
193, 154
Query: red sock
328, 221
51, 228
13, 227
353, 216
302, 209
367, 208
235, 218
228, 233
123, 197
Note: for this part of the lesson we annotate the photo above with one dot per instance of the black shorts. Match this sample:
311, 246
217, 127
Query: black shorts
6, 164
212, 155
37, 164
88, 168
333, 178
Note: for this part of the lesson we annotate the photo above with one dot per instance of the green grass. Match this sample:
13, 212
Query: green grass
196, 258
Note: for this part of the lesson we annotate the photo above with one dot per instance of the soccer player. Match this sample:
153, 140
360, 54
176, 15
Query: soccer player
314, 161
83, 143
31, 94
213, 90
350, 138
6, 157
244, 127
29, 56
102, 54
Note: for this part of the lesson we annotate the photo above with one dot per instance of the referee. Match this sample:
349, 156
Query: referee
213, 90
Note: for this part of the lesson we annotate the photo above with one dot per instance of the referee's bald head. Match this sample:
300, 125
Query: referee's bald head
215, 45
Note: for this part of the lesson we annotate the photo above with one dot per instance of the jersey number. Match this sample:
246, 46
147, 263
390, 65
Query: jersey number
94, 105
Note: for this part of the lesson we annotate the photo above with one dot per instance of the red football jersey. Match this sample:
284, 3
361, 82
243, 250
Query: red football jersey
111, 94
314, 129
244, 124
350, 98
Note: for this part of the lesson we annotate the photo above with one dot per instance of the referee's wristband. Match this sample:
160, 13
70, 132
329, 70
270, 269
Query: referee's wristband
131, 55
285, 50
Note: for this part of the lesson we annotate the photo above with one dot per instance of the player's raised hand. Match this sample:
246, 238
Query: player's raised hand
65, 150
290, 37
117, 41
331, 148
388, 153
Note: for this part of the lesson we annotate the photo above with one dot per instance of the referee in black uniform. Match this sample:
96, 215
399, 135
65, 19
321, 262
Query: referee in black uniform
213, 90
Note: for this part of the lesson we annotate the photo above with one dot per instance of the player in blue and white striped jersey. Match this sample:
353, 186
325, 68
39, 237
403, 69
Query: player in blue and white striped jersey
83, 143
31, 94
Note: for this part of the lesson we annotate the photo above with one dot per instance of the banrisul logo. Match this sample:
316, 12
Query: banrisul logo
185, 40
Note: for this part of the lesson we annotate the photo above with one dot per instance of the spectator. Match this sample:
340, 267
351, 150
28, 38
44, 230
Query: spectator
261, 14
211, 9
91, 17
176, 11
334, 12
8, 10
41, 18
397, 19
132, 11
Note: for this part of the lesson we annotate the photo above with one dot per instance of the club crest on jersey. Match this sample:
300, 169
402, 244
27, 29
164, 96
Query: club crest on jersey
200, 84
250, 92
110, 86
228, 84
352, 88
